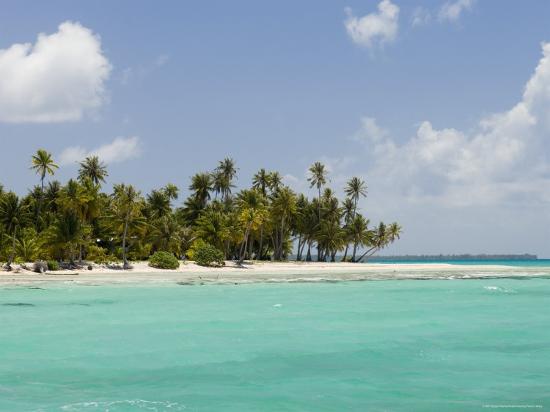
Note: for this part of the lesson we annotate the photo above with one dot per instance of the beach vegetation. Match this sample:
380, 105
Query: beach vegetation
208, 255
163, 260
76, 221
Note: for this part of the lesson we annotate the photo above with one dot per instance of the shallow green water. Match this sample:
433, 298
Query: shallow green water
356, 346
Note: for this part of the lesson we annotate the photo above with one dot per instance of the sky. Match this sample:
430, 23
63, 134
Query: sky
443, 107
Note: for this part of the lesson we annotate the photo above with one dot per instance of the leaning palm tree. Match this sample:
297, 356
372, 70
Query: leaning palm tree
382, 236
13, 214
42, 164
92, 168
359, 234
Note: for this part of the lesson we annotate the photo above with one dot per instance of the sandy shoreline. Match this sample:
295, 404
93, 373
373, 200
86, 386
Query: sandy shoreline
269, 272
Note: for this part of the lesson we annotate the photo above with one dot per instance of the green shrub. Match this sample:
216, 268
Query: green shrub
53, 265
208, 255
164, 260
196, 245
98, 255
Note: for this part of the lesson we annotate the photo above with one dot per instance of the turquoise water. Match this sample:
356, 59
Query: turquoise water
355, 346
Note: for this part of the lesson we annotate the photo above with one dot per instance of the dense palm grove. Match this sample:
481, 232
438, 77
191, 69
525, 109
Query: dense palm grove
77, 222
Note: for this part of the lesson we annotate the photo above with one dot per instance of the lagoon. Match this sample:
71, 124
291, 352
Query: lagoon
397, 345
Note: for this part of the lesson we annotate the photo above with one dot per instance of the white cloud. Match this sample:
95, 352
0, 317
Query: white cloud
504, 159
420, 17
119, 150
161, 60
374, 29
57, 79
452, 10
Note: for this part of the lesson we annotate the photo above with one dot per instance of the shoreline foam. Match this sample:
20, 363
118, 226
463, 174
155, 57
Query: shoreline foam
271, 272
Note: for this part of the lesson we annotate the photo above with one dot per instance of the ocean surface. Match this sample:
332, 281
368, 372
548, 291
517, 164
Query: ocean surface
437, 345
467, 262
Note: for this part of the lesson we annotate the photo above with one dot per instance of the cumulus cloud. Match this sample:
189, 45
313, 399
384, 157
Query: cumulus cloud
374, 29
58, 79
504, 159
452, 10
119, 150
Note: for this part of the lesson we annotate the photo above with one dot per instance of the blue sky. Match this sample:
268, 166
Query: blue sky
432, 112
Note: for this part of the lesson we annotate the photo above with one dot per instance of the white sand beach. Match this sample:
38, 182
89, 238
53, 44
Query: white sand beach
266, 272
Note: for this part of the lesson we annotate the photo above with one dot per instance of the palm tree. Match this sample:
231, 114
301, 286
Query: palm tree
382, 236
252, 213
349, 214
13, 214
127, 214
275, 181
171, 191
331, 236
356, 188
164, 234
213, 227
201, 185
184, 238
92, 168
223, 177
42, 164
158, 203
359, 233
261, 181
318, 178
283, 209
67, 233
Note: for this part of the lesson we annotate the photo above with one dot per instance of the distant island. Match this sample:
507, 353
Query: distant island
525, 256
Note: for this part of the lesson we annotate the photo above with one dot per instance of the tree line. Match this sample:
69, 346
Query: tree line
78, 222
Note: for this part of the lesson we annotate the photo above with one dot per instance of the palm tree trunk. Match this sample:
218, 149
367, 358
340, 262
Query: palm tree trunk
261, 242
354, 251
39, 209
244, 244
125, 264
345, 253
299, 253
369, 252
308, 256
12, 256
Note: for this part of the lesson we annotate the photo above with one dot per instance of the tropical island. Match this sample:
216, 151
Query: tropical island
77, 225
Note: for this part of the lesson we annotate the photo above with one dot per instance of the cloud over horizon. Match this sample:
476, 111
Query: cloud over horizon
119, 150
504, 159
58, 79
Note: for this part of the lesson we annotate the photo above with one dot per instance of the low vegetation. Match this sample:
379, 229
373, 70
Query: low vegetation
208, 255
163, 260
